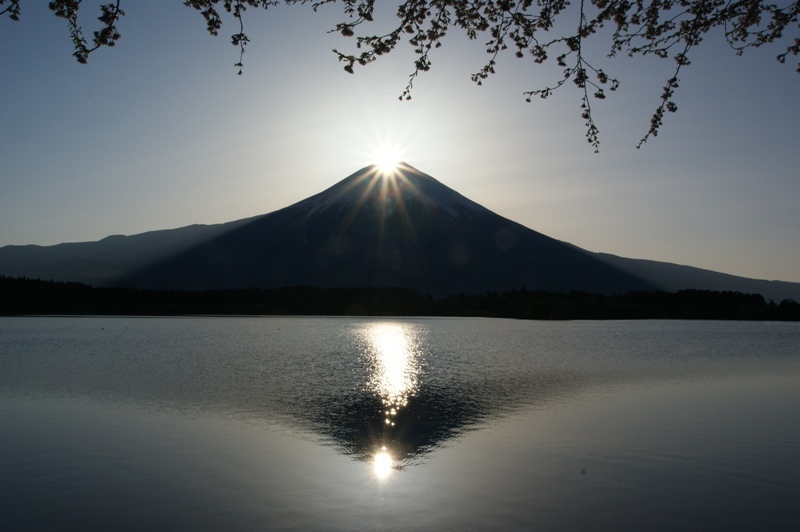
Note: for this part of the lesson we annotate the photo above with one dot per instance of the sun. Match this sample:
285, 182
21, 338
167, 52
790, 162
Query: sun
386, 159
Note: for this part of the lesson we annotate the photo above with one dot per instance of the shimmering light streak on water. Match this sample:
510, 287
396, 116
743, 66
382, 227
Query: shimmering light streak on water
394, 364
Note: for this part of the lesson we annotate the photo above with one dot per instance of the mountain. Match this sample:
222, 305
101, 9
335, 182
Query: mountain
673, 277
104, 262
407, 230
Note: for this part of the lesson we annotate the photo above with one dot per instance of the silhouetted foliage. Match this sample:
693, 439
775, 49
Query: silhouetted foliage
22, 296
661, 28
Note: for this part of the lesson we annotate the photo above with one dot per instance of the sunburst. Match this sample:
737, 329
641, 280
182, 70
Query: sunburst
386, 159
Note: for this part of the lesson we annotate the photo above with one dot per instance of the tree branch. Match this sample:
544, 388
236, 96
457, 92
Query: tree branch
640, 28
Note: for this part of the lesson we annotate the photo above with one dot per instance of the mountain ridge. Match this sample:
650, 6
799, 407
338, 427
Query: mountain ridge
368, 230
407, 230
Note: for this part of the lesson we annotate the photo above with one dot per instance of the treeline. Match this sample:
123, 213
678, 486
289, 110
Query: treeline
22, 296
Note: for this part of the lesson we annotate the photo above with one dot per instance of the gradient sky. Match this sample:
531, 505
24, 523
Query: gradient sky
159, 132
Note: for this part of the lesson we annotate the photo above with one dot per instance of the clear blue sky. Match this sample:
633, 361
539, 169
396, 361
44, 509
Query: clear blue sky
160, 132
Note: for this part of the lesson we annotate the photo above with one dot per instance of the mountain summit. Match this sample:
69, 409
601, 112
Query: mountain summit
372, 229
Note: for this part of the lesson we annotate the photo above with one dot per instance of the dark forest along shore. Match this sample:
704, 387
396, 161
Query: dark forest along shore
33, 297
395, 423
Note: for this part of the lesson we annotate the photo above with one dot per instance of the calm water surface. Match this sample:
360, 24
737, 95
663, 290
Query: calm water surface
362, 424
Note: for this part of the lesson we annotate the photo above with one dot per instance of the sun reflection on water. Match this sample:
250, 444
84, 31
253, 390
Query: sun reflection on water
395, 366
382, 464
394, 373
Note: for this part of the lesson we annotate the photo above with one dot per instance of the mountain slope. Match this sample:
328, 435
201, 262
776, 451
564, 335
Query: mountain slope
673, 277
369, 230
106, 261
408, 231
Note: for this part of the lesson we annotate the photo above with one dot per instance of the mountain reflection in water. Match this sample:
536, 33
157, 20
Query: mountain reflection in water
395, 387
356, 384
406, 408
289, 423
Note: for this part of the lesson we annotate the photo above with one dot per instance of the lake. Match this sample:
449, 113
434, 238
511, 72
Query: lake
290, 423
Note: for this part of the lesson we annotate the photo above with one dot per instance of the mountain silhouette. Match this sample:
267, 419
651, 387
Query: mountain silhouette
406, 230
403, 230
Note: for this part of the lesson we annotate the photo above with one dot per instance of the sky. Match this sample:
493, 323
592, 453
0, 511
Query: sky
159, 132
